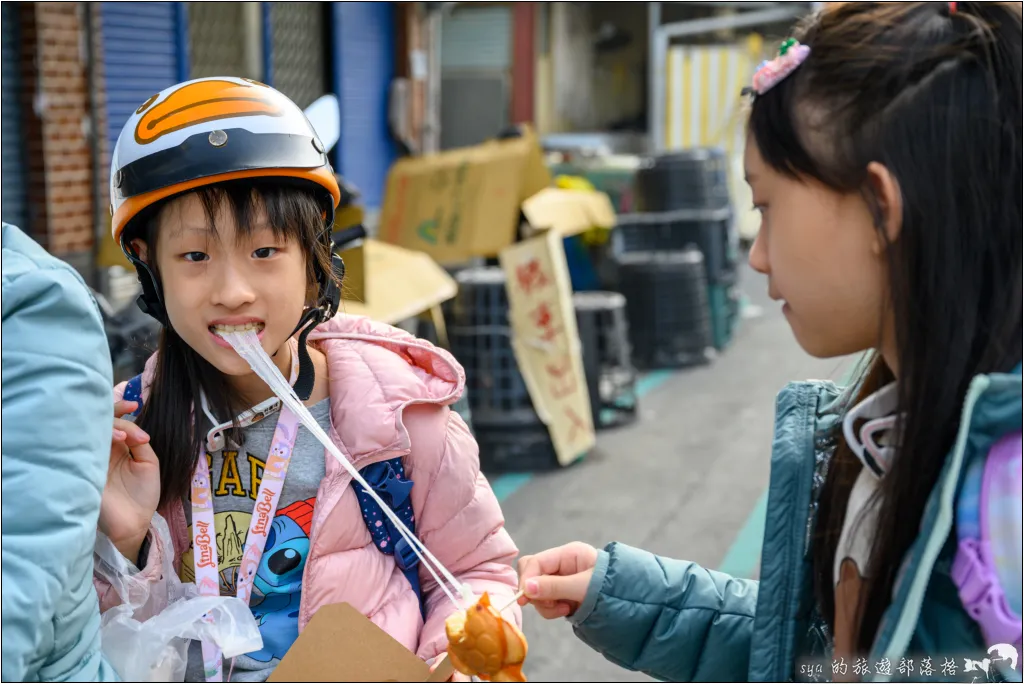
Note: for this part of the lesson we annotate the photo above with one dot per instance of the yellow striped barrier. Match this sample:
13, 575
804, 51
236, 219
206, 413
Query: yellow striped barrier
704, 108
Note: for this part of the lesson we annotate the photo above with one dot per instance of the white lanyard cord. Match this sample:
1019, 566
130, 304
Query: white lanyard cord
248, 347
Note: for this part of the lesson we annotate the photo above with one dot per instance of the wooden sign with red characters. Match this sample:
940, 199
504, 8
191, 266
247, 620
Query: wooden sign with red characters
547, 343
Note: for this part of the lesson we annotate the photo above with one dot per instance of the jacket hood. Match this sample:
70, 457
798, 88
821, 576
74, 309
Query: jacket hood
376, 371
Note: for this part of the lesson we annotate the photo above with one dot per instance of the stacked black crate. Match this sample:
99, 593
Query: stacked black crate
510, 434
683, 200
604, 337
686, 179
667, 305
426, 328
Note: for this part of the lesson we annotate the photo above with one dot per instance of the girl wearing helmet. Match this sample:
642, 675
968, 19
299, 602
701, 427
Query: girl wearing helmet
223, 198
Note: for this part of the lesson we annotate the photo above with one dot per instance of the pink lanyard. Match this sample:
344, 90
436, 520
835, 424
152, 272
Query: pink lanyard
204, 533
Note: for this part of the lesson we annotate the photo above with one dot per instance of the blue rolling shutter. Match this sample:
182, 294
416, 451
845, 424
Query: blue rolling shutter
143, 52
363, 55
12, 178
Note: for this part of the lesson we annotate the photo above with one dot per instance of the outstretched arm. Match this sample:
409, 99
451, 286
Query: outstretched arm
671, 619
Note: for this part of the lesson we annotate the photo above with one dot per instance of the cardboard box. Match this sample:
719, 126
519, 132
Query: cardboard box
353, 287
546, 341
109, 253
567, 212
476, 202
341, 645
390, 284
462, 203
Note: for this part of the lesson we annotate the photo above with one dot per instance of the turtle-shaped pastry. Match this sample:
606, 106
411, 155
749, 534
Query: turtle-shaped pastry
483, 644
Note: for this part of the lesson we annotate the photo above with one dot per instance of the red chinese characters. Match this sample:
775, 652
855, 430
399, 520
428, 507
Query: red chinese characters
563, 381
546, 322
578, 425
531, 277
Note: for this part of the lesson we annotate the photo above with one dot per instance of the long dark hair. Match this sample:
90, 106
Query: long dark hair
171, 414
935, 96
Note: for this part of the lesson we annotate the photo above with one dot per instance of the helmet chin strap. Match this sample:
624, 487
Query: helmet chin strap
304, 384
330, 300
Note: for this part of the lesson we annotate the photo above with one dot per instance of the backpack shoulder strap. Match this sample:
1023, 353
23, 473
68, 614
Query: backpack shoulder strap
987, 568
133, 392
388, 480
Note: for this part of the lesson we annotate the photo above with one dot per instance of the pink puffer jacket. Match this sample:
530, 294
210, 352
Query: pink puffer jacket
390, 394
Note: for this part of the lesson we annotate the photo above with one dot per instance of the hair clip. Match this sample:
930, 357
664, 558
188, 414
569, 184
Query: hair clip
770, 73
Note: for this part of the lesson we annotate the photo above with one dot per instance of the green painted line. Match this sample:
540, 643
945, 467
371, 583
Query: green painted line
506, 485
742, 557
648, 382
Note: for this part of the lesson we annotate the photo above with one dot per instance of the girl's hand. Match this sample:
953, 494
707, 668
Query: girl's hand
132, 492
555, 581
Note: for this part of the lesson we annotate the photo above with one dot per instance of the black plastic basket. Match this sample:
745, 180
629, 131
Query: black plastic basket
687, 179
494, 384
604, 337
481, 300
707, 230
510, 433
667, 307
510, 448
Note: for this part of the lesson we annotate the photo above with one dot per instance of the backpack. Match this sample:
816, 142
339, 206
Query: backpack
987, 566
388, 480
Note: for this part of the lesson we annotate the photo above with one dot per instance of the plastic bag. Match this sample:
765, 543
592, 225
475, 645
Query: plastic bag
155, 649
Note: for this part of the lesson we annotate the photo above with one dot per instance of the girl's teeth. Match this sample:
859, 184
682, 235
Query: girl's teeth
238, 328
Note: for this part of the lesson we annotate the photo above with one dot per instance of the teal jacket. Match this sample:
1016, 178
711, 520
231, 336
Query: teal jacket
57, 418
677, 621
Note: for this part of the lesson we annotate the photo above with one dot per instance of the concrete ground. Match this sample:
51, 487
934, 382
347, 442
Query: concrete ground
687, 480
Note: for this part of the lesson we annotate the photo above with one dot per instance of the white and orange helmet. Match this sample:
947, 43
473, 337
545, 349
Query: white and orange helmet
207, 131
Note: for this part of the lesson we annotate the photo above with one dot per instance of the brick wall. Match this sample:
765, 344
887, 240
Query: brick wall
99, 118
54, 60
32, 125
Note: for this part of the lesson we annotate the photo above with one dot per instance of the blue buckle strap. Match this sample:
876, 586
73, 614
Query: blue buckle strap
405, 556
408, 562
388, 483
387, 479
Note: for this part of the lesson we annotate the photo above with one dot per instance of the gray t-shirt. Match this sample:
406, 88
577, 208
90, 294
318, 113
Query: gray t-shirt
235, 477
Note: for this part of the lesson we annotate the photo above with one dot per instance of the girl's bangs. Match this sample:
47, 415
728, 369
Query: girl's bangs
287, 209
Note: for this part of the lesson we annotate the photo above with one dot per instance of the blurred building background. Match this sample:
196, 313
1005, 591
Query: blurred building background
74, 72
609, 87
410, 77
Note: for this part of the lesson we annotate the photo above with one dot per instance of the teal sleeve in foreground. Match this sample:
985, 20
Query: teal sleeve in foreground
57, 421
670, 619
